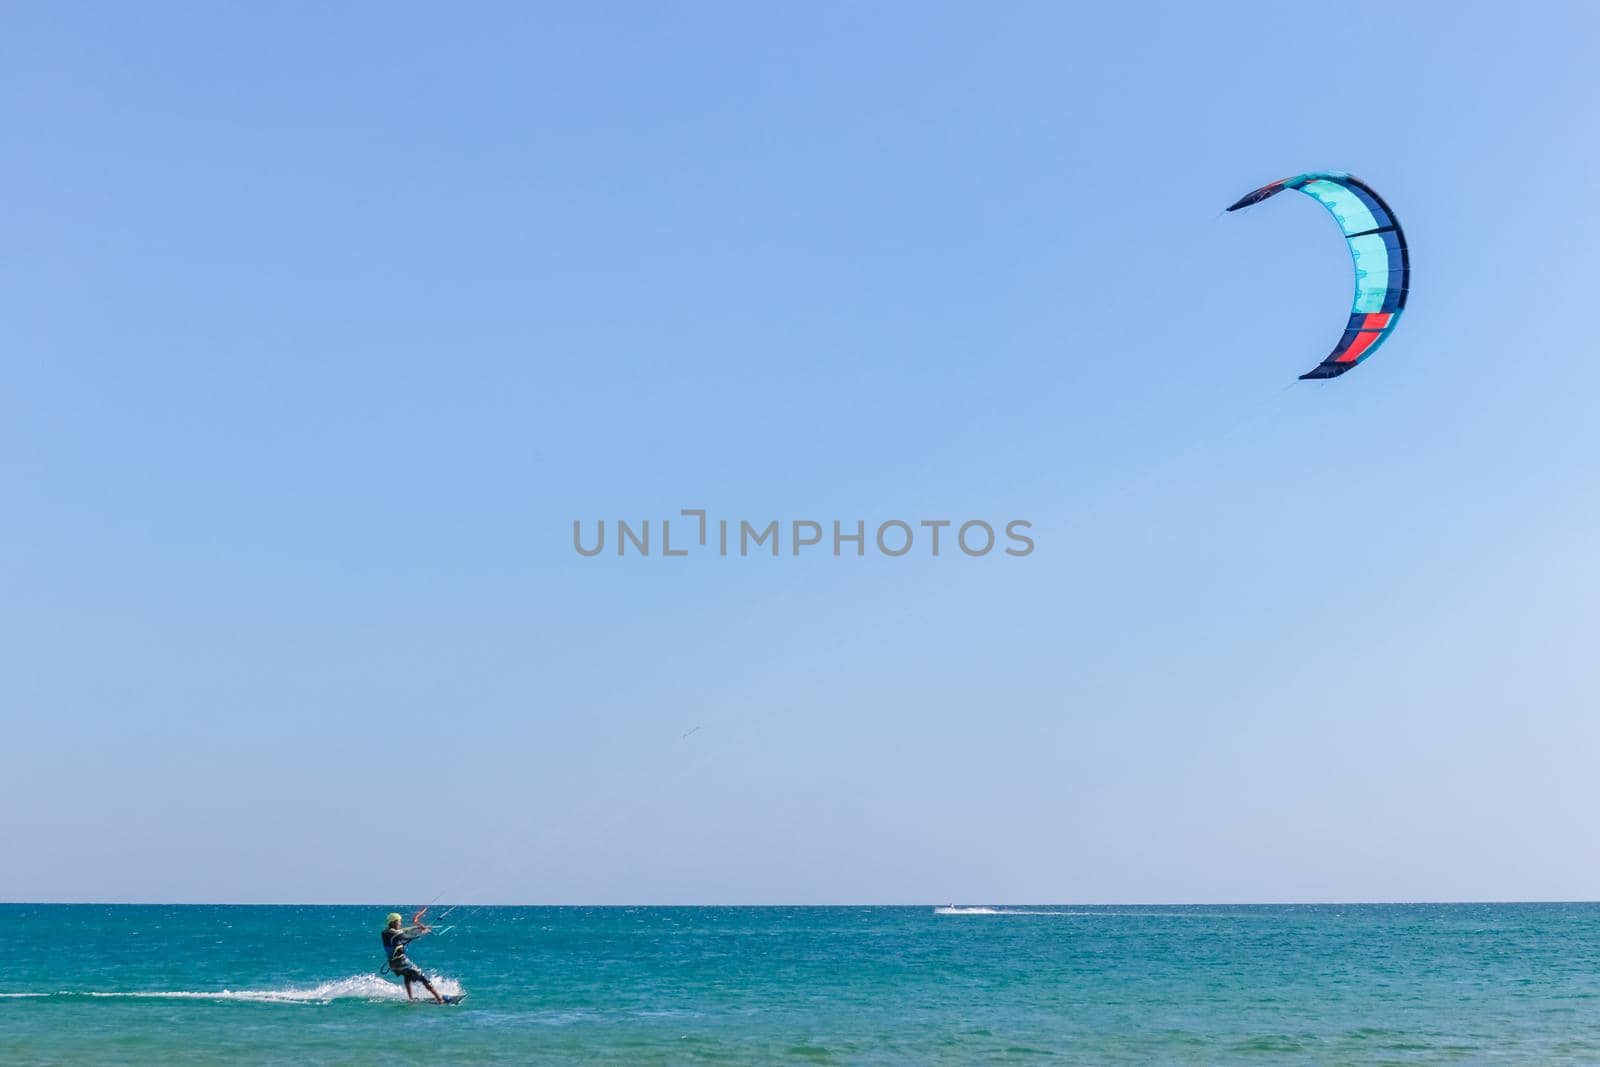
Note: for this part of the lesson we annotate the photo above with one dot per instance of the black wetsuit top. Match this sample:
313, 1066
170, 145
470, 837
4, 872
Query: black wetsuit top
394, 944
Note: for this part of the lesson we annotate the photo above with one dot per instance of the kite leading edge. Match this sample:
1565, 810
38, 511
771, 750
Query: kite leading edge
1378, 248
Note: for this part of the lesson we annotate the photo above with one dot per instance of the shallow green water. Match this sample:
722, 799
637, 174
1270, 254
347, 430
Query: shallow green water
1266, 984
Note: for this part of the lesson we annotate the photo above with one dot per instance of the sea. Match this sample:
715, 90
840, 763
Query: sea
1267, 984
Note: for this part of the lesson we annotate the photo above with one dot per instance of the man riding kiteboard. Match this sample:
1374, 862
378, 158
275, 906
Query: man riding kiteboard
395, 939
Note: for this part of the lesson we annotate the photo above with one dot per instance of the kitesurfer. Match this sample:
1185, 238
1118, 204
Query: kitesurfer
395, 939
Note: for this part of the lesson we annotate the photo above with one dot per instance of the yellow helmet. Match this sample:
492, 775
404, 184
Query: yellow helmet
394, 917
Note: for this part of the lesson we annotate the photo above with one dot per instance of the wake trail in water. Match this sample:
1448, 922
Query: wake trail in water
1091, 913
956, 910
362, 987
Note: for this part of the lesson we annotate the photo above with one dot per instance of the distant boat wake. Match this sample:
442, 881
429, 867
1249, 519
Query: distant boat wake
1196, 913
367, 987
953, 909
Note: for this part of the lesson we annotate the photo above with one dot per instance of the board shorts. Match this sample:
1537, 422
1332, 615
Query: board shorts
404, 968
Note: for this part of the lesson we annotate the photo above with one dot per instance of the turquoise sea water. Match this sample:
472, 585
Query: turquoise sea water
1261, 984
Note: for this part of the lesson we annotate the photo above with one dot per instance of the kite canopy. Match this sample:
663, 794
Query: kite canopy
1378, 247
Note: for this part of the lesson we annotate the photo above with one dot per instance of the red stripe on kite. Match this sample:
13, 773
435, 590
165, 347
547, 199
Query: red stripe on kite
1362, 342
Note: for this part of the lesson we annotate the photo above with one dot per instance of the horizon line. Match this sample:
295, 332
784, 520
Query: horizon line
911, 904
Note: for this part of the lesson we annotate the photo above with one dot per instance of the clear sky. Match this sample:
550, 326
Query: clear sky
321, 323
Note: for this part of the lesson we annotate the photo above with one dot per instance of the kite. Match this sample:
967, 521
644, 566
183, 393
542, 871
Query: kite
1378, 248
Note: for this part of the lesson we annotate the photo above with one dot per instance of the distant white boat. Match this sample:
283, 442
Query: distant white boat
953, 909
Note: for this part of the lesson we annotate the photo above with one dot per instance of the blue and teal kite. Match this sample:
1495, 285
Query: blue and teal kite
1378, 247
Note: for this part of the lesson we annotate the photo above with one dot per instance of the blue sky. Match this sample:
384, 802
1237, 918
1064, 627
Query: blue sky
319, 325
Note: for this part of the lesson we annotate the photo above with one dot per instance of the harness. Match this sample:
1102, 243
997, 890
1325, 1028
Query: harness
397, 954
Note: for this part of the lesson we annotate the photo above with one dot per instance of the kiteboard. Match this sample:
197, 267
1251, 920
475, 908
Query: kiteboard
455, 998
